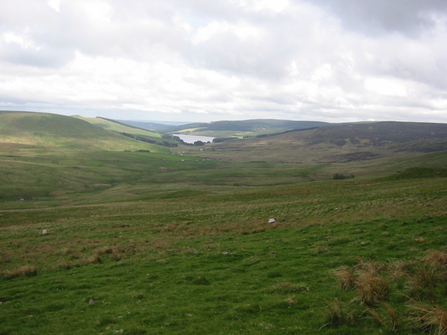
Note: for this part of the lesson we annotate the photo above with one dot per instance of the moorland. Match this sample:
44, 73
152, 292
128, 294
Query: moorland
108, 228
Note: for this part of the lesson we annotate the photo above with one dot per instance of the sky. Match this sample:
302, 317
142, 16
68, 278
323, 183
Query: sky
203, 60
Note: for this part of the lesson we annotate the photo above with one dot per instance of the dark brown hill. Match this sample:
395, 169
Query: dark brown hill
336, 143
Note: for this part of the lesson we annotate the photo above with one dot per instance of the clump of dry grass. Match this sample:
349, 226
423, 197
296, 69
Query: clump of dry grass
385, 315
392, 316
336, 314
64, 265
431, 319
373, 268
26, 270
424, 279
94, 259
346, 278
371, 289
436, 257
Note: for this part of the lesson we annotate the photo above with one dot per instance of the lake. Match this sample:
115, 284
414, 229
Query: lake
193, 138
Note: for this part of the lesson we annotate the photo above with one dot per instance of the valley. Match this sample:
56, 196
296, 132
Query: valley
150, 237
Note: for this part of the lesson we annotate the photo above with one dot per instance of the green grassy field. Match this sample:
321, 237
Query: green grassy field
162, 243
177, 245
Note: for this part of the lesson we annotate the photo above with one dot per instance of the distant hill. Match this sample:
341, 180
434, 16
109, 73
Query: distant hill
119, 127
245, 128
336, 143
52, 130
149, 125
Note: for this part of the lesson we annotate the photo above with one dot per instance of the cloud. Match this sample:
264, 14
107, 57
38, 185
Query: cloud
384, 16
200, 60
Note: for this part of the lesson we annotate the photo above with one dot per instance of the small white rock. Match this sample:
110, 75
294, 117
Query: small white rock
272, 221
44, 232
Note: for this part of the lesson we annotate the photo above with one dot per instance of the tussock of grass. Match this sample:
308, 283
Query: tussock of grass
346, 278
436, 257
430, 319
337, 314
26, 270
420, 283
371, 289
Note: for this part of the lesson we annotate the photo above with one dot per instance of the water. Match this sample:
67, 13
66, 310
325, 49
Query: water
193, 138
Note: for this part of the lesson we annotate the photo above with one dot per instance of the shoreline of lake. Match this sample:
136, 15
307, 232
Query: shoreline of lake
191, 139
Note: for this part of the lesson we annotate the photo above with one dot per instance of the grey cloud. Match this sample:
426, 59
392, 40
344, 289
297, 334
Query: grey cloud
375, 17
310, 61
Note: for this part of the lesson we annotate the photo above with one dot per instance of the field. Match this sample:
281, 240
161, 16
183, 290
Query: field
160, 243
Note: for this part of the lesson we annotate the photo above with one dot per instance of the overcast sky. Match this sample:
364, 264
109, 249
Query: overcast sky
209, 60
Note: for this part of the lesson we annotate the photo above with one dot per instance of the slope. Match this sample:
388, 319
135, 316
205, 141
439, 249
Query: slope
334, 143
56, 131
245, 128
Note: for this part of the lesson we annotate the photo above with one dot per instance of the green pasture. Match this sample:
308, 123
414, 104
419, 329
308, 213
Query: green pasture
160, 243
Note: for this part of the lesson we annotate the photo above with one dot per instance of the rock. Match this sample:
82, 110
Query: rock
272, 220
44, 232
91, 302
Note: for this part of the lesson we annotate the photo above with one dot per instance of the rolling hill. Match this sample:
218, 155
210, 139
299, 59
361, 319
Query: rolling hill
245, 128
57, 131
333, 143
100, 240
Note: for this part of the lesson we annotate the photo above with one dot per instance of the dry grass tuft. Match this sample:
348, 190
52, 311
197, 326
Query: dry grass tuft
385, 315
336, 315
371, 289
94, 259
431, 319
373, 268
392, 316
64, 265
345, 277
435, 257
26, 270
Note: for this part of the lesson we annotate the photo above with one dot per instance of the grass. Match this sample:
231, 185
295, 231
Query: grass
43, 131
153, 243
166, 262
401, 296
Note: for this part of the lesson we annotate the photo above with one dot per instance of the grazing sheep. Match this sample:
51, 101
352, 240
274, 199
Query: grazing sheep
44, 232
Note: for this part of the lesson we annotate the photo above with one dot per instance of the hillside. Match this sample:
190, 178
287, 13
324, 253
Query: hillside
263, 240
245, 128
57, 131
153, 126
118, 127
134, 132
334, 143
